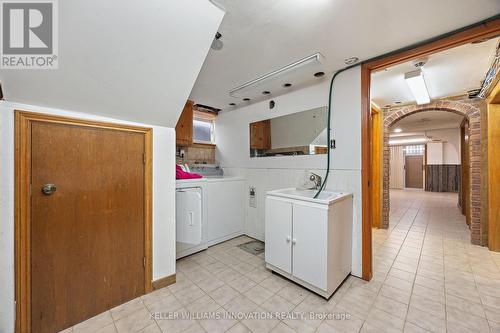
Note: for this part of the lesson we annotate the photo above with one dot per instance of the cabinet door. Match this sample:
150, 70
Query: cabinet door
184, 127
310, 232
260, 135
278, 234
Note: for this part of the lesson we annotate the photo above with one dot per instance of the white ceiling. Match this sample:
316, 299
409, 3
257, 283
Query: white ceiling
261, 35
129, 59
426, 121
449, 73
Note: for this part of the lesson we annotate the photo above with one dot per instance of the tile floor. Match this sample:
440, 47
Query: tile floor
427, 277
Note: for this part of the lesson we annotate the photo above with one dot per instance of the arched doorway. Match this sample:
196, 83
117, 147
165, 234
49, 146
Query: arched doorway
472, 114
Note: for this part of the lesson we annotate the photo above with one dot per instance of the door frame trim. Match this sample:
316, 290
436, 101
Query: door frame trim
475, 33
22, 175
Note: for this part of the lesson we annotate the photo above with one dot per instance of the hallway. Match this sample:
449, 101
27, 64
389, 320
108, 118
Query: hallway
436, 280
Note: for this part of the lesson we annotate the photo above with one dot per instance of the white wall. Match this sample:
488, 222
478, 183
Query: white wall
163, 202
267, 173
447, 152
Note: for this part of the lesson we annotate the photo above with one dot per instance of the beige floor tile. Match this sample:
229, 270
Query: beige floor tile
425, 320
391, 306
218, 325
94, 323
134, 322
178, 324
258, 294
346, 324
384, 321
258, 274
189, 294
412, 328
293, 293
274, 283
224, 294
466, 319
127, 308
242, 284
240, 304
259, 325
284, 328
209, 284
153, 328
277, 304
239, 328
203, 305
399, 295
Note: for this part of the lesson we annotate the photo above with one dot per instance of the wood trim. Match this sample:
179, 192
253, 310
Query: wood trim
493, 165
22, 158
164, 282
485, 30
203, 145
366, 174
377, 165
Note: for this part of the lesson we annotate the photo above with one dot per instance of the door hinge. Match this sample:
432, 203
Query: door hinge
144, 262
30, 189
144, 158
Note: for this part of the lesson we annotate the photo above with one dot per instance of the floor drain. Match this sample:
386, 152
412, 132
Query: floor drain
254, 247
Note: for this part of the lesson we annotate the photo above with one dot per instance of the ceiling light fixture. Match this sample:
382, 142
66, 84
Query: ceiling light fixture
246, 99
217, 44
398, 130
287, 85
266, 92
405, 141
232, 104
416, 83
319, 74
268, 81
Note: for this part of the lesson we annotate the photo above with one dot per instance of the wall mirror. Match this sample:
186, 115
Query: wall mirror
301, 133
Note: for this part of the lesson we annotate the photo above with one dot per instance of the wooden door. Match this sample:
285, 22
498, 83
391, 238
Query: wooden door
87, 237
413, 171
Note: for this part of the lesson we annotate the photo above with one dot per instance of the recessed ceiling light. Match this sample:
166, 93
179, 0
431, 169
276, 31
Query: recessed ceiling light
232, 104
319, 74
246, 99
351, 60
265, 92
287, 85
398, 130
398, 102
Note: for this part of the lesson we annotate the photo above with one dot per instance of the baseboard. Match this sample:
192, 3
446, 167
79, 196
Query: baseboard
164, 282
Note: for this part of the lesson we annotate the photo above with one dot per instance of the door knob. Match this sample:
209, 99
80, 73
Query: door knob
288, 239
48, 189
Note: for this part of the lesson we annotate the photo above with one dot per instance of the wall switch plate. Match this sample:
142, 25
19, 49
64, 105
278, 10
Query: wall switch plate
252, 197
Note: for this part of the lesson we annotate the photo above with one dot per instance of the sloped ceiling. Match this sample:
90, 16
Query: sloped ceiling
128, 59
261, 35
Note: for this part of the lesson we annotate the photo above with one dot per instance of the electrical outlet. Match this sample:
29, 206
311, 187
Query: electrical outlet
252, 197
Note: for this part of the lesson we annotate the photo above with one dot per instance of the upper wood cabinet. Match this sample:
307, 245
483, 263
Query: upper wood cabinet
260, 135
184, 127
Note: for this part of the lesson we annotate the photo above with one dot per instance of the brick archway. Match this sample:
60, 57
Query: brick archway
469, 111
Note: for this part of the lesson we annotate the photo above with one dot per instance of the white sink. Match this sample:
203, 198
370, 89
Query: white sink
325, 197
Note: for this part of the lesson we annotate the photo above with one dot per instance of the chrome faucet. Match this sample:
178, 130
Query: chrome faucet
316, 179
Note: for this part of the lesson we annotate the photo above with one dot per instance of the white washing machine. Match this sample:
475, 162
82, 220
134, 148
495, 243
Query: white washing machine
189, 219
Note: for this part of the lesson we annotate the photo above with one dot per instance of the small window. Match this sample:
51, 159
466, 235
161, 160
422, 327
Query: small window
203, 131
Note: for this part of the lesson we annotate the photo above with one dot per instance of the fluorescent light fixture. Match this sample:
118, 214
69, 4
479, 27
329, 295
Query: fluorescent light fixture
296, 69
405, 141
416, 83
398, 130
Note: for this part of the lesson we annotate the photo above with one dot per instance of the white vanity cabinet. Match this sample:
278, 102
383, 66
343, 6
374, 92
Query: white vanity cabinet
310, 242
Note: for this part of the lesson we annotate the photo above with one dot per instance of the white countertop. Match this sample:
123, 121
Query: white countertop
182, 182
